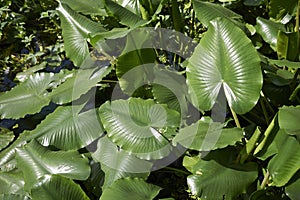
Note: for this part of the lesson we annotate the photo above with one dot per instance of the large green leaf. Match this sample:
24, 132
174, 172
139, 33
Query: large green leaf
36, 161
139, 126
26, 98
205, 136
288, 119
206, 12
80, 83
11, 182
117, 163
68, 128
136, 189
216, 179
6, 136
51, 187
95, 7
225, 60
269, 29
278, 8
75, 30
287, 162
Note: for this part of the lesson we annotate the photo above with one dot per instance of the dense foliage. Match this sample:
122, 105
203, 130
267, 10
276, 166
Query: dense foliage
104, 99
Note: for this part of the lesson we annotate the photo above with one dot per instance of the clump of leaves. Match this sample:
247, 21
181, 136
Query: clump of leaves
219, 112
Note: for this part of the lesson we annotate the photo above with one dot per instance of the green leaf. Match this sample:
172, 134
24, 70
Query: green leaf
26, 98
288, 46
288, 119
6, 136
287, 162
11, 183
205, 136
87, 7
292, 190
117, 163
285, 63
126, 17
52, 187
206, 12
137, 189
269, 29
80, 83
36, 161
139, 126
67, 128
217, 177
75, 30
225, 60
278, 8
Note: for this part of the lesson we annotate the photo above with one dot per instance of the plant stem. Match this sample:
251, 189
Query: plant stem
237, 122
177, 170
265, 181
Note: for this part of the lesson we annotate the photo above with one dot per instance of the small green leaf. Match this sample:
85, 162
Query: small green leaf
205, 136
288, 119
288, 46
136, 189
126, 17
287, 162
225, 60
269, 29
206, 12
35, 161
87, 7
50, 187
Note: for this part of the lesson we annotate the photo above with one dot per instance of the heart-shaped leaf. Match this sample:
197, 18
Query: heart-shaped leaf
139, 126
225, 60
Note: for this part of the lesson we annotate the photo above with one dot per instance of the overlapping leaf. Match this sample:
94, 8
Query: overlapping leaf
136, 189
204, 136
139, 126
75, 30
64, 189
117, 163
206, 12
36, 161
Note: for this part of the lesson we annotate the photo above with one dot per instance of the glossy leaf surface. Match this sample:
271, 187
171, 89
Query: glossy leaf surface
225, 60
